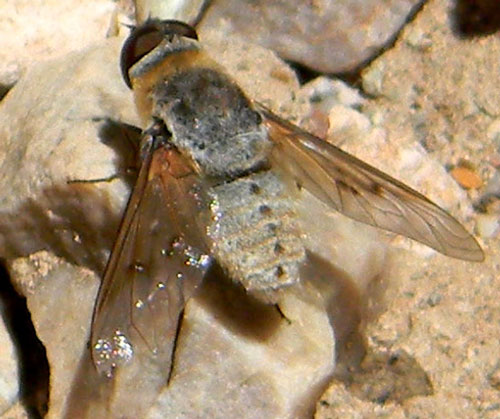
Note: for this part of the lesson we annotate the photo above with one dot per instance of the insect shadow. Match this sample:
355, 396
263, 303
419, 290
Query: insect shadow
124, 140
235, 310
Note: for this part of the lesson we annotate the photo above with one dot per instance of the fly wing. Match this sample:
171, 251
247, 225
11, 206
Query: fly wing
158, 260
364, 193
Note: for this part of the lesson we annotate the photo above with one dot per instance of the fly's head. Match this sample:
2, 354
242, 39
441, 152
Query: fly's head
152, 53
173, 36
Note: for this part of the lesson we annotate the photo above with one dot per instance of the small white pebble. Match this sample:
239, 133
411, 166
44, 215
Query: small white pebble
493, 131
488, 225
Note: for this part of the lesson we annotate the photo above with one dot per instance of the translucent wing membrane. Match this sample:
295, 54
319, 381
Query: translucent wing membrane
158, 260
364, 193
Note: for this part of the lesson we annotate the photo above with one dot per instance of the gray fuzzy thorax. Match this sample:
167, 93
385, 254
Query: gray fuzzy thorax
212, 121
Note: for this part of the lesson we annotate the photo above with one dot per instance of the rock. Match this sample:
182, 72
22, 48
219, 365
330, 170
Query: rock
488, 225
41, 31
41, 140
60, 298
466, 177
188, 11
330, 37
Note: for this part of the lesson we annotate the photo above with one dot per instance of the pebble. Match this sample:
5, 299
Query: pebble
487, 225
466, 177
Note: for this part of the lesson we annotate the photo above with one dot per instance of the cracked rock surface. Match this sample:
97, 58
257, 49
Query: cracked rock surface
430, 324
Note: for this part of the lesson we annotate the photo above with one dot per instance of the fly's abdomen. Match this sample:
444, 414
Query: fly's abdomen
254, 232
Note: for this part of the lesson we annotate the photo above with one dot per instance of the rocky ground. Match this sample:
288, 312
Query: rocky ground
425, 110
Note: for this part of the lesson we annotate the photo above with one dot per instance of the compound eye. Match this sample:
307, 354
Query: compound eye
146, 37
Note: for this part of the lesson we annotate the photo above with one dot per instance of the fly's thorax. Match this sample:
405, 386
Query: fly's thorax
255, 234
161, 63
212, 121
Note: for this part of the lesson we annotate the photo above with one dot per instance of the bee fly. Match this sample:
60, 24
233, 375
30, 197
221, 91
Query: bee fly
216, 183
